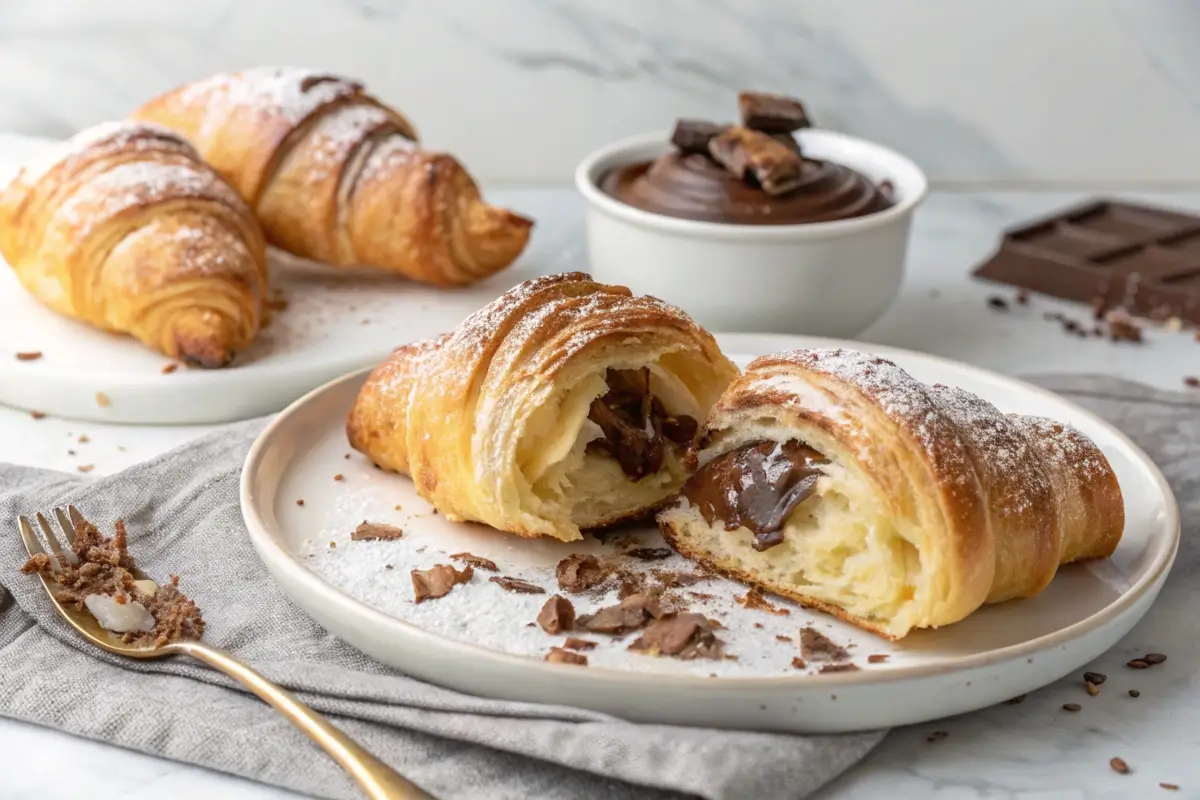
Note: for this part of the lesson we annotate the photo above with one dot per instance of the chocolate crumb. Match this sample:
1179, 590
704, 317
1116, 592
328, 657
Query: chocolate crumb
844, 667
1170, 787
437, 581
754, 599
1016, 700
877, 658
1134, 693
816, 646
397, 507
1071, 706
558, 655
478, 562
1154, 658
37, 414
169, 368
1022, 298
758, 625
300, 502
1137, 663
936, 736
798, 662
339, 477
29, 355
1192, 382
1095, 677
388, 566
71, 452
685, 636
1119, 765
557, 615
1122, 327
630, 614
998, 303
579, 644
376, 531
579, 572
1092, 689
515, 585
650, 553
779, 637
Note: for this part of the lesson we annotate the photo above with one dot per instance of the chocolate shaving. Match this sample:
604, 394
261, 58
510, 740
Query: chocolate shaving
650, 553
686, 636
478, 562
816, 646
749, 154
579, 644
437, 581
557, 615
693, 135
772, 113
516, 585
844, 667
630, 614
579, 572
754, 599
376, 531
670, 579
558, 655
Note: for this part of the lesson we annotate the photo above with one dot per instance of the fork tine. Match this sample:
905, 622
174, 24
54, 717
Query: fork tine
76, 520
69, 533
31, 541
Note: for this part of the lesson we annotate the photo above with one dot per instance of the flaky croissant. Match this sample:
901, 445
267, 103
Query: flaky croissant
125, 228
834, 478
562, 406
335, 175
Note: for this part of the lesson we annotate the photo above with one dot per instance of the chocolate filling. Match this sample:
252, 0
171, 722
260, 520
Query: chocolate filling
636, 425
756, 486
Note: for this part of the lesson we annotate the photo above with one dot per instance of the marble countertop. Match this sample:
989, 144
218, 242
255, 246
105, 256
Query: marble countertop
1025, 751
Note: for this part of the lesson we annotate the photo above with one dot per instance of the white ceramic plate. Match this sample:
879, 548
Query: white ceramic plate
335, 321
477, 639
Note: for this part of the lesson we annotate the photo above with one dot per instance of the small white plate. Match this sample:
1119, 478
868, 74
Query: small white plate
335, 321
477, 638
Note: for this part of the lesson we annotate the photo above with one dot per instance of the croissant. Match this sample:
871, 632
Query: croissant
335, 175
564, 405
834, 478
125, 228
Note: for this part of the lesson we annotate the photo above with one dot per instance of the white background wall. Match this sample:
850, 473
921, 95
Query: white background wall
978, 91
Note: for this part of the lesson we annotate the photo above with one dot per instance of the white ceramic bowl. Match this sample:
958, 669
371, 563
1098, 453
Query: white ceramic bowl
819, 278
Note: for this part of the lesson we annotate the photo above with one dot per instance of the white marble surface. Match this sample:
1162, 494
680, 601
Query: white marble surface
1031, 750
1092, 91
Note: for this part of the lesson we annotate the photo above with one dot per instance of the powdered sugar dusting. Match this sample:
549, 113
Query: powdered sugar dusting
342, 129
113, 136
289, 93
1072, 450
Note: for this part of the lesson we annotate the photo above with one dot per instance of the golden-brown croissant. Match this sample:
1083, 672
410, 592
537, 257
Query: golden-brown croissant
125, 228
834, 478
564, 405
337, 176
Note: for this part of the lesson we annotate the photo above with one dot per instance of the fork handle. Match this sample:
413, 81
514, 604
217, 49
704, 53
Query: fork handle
377, 780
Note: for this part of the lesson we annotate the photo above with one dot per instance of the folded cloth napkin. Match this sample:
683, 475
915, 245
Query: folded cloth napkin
183, 517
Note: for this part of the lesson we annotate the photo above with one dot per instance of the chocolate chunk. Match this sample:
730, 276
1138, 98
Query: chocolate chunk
844, 667
753, 154
1154, 659
816, 646
772, 113
478, 562
630, 614
798, 662
516, 585
681, 429
877, 658
437, 581
693, 135
650, 553
756, 486
579, 572
1122, 327
557, 615
754, 599
579, 644
376, 531
625, 415
560, 656
686, 636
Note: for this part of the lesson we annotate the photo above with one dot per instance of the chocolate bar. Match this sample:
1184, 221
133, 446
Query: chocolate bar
772, 113
1108, 253
693, 135
756, 154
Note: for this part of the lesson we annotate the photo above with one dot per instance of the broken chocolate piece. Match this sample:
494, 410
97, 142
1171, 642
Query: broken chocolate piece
693, 135
376, 531
798, 662
557, 615
630, 614
816, 646
669, 579
579, 572
560, 656
681, 429
633, 421
437, 581
844, 667
478, 562
877, 658
650, 553
772, 113
755, 155
686, 636
579, 644
754, 599
516, 585
756, 486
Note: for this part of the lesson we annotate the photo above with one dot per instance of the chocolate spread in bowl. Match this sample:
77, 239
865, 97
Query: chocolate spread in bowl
636, 425
756, 486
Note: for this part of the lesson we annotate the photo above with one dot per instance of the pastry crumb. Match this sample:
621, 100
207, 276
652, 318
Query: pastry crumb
86, 467
1118, 765
29, 355
169, 368
102, 400
339, 477
37, 414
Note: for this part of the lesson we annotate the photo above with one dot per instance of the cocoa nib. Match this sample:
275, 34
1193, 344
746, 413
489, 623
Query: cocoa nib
579, 572
685, 636
560, 656
754, 599
376, 531
478, 562
650, 553
630, 614
816, 646
557, 615
437, 581
516, 585
579, 644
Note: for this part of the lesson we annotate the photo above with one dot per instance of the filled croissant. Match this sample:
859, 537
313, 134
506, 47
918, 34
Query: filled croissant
335, 175
562, 406
834, 478
125, 228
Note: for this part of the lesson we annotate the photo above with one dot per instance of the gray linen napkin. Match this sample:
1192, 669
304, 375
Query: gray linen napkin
183, 515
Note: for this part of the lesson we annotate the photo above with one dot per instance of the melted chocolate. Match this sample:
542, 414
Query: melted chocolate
636, 425
693, 186
756, 486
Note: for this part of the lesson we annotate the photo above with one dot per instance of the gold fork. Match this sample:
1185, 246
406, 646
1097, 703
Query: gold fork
377, 780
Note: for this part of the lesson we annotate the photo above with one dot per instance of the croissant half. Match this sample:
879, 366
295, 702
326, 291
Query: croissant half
834, 478
125, 228
562, 406
337, 176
